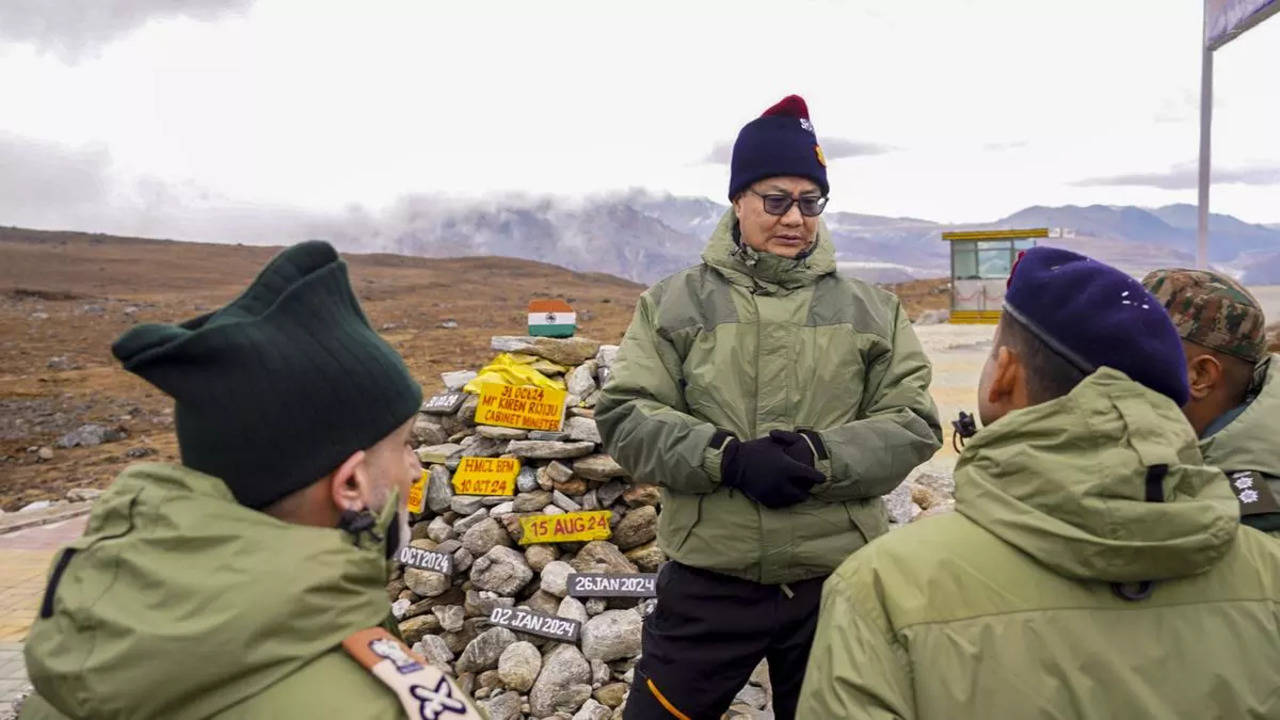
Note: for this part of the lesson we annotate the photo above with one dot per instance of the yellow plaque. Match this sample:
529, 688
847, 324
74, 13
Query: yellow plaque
521, 406
570, 527
418, 493
486, 476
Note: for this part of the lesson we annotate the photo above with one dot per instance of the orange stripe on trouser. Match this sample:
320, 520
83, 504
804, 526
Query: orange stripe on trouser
665, 702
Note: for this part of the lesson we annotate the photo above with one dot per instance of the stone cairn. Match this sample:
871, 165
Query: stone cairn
517, 675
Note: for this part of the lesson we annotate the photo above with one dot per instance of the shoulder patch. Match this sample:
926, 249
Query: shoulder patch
1252, 491
424, 691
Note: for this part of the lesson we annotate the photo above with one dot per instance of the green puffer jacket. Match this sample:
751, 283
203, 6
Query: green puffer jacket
180, 603
1006, 608
749, 343
1251, 444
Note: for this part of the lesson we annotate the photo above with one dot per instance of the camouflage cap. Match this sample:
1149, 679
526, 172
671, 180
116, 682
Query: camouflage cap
1212, 310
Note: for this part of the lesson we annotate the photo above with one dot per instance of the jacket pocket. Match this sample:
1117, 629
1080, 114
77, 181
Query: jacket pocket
868, 516
680, 513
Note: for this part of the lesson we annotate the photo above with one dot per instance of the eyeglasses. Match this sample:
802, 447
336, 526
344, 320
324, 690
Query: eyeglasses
780, 204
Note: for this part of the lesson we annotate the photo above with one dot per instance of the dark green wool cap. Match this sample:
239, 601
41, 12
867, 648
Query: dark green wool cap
278, 388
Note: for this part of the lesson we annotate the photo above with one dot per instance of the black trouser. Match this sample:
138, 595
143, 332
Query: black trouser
709, 632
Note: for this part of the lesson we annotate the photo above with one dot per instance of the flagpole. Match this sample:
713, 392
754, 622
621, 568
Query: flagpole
1206, 119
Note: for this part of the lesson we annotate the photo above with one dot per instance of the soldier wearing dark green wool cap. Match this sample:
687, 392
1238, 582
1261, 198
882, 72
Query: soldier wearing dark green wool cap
250, 580
1235, 397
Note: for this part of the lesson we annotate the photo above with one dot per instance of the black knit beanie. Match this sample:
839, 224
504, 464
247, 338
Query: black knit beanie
278, 388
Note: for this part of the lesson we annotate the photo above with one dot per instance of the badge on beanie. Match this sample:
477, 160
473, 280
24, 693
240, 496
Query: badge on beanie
804, 123
822, 159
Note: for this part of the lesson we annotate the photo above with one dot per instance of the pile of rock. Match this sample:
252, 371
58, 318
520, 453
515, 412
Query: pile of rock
447, 617
933, 317
924, 493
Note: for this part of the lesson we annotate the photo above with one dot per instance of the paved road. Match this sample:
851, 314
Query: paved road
25, 556
958, 353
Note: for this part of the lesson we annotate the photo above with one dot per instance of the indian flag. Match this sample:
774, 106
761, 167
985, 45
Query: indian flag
552, 318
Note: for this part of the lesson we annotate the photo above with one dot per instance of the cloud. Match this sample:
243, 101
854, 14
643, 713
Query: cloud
41, 177
1182, 108
721, 153
1003, 146
1186, 176
72, 29
832, 148
836, 148
50, 186
1166, 116
61, 187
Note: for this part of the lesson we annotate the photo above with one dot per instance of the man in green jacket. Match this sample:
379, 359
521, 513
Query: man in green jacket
249, 582
774, 402
1093, 568
1235, 401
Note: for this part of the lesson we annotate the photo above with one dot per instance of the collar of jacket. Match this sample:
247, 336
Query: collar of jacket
1064, 481
765, 273
1248, 442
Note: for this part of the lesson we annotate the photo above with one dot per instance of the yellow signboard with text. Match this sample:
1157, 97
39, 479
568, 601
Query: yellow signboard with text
569, 527
417, 493
521, 406
486, 476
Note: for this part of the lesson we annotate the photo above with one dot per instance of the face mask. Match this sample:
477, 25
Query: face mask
393, 538
384, 528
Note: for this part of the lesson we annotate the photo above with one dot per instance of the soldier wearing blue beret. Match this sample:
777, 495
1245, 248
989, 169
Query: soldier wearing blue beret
1094, 566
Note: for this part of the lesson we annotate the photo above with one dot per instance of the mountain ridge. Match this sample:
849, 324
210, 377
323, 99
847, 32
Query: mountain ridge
643, 236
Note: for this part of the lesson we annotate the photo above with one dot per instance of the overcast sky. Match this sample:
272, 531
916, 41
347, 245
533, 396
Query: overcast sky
138, 115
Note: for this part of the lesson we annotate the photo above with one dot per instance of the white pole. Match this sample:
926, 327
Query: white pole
1206, 119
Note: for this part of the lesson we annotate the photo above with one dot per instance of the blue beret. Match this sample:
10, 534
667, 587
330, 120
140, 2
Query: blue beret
1094, 315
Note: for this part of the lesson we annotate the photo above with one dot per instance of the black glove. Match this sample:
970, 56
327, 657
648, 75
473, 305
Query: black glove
798, 448
762, 470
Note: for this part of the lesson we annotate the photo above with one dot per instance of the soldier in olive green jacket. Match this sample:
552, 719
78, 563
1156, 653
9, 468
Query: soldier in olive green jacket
250, 581
225, 612
1245, 443
1094, 567
1235, 400
774, 402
